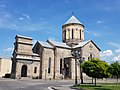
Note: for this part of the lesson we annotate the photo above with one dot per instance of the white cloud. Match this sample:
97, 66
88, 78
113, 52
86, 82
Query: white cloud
27, 16
21, 18
116, 58
100, 22
8, 49
93, 33
117, 45
3, 5
106, 53
118, 50
87, 31
108, 7
7, 22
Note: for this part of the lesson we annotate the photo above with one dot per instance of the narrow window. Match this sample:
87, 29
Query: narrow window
80, 34
35, 70
90, 56
77, 33
49, 65
72, 34
60, 66
65, 35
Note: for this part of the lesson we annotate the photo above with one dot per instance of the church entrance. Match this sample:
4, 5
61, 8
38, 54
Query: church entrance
24, 71
67, 68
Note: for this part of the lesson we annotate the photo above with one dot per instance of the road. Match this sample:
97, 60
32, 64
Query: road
14, 84
38, 84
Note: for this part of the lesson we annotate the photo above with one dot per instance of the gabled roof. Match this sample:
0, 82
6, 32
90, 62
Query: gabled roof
72, 19
45, 44
81, 44
58, 44
23, 37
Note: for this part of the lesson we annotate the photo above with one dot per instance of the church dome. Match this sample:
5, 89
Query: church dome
72, 20
72, 31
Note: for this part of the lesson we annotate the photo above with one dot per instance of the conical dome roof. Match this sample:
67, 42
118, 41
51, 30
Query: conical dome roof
72, 19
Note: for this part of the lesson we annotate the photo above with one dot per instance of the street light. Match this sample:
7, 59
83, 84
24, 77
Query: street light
76, 54
81, 76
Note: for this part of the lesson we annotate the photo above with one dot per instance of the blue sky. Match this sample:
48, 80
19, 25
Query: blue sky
43, 19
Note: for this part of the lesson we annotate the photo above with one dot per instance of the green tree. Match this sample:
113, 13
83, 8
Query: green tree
96, 68
115, 69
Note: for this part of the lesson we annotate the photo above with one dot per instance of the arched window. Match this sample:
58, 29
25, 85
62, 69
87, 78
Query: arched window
90, 57
77, 33
60, 66
80, 34
72, 34
65, 35
49, 65
35, 70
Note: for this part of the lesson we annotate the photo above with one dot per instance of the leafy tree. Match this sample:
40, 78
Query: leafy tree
96, 68
115, 69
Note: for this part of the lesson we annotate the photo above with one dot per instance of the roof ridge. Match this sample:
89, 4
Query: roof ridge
23, 36
72, 19
81, 44
45, 44
58, 43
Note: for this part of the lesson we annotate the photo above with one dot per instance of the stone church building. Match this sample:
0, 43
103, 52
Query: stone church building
53, 59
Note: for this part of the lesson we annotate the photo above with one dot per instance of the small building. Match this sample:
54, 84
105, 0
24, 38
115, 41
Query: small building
5, 66
53, 59
25, 63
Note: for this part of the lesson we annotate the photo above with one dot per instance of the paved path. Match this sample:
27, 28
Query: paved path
15, 84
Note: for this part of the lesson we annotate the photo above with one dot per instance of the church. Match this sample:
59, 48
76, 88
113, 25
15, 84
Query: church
52, 59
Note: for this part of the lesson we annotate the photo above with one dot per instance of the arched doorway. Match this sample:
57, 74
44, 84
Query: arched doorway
67, 68
24, 71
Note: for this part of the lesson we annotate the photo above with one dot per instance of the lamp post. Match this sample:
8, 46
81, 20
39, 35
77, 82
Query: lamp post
75, 54
81, 76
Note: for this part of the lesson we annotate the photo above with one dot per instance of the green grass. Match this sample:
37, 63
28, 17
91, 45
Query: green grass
105, 86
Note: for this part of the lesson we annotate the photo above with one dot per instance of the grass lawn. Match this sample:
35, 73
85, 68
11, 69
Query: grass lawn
105, 86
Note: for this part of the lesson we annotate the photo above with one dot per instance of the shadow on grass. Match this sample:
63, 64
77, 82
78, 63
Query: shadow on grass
101, 88
89, 87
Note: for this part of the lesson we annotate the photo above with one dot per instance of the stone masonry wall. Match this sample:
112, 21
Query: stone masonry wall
47, 53
86, 51
30, 68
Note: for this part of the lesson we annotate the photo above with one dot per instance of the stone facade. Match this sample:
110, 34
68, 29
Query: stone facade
25, 63
90, 50
52, 59
5, 66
